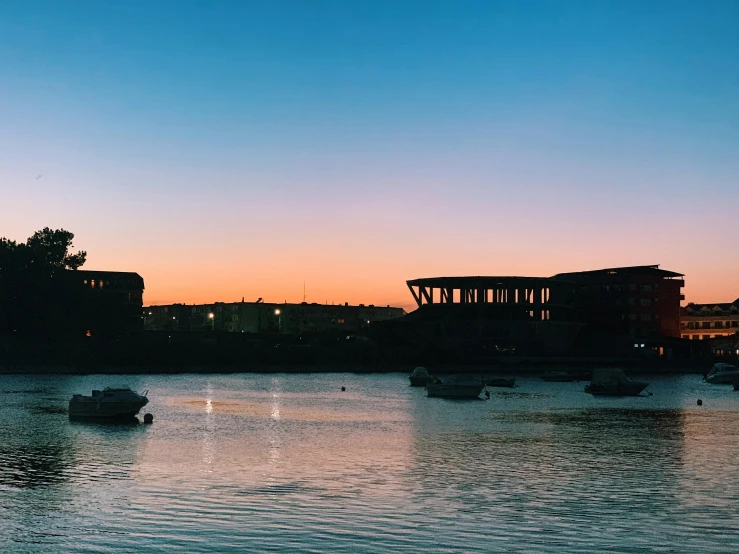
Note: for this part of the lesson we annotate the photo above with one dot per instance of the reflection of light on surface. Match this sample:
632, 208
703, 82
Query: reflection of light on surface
275, 412
208, 448
708, 457
290, 408
275, 438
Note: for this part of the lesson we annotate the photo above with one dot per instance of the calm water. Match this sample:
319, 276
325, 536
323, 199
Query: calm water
290, 463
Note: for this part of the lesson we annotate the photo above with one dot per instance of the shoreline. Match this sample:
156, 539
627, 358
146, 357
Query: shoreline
522, 367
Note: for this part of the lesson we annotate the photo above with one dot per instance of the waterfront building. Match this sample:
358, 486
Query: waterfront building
105, 302
640, 301
488, 315
710, 321
263, 317
612, 311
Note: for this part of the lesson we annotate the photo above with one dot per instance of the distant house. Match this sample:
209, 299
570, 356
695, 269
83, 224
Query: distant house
708, 321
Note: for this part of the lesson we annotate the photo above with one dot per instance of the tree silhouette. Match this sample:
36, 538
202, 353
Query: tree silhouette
32, 295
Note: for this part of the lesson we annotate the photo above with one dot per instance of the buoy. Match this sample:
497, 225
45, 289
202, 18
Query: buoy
700, 402
148, 418
343, 389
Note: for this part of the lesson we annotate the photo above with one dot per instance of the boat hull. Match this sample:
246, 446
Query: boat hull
420, 377
728, 378
420, 380
722, 374
459, 391
105, 410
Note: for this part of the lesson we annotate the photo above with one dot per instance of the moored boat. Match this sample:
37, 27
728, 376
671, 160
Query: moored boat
614, 382
722, 374
458, 388
420, 377
110, 403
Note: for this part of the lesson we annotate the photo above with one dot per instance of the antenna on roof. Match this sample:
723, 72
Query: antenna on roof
304, 297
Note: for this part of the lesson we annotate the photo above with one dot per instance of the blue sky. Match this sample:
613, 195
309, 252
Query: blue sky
405, 138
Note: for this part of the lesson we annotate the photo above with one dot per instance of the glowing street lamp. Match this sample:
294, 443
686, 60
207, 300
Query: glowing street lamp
212, 318
279, 320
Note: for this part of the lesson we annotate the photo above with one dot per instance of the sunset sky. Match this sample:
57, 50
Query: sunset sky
227, 149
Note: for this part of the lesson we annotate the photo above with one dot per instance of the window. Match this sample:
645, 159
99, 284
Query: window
718, 324
646, 317
646, 288
706, 336
632, 316
645, 302
706, 325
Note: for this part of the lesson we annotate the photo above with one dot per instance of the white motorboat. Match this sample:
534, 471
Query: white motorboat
462, 388
420, 377
110, 403
722, 374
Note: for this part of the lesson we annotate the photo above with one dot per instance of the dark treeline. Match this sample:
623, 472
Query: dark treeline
35, 296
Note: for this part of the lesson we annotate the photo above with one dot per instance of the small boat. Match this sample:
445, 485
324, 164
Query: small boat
566, 376
722, 374
614, 382
462, 388
110, 403
420, 377
503, 382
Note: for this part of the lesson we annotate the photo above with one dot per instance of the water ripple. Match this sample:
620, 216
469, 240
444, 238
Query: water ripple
280, 463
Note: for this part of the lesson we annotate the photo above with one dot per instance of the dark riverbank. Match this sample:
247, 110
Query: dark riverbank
163, 353
521, 367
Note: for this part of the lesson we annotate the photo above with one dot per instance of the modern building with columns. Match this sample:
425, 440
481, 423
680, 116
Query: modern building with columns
515, 298
606, 311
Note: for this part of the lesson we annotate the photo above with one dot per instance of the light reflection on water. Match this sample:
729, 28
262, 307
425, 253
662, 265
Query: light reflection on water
289, 462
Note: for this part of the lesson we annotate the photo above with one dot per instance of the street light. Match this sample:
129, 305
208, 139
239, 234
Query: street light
279, 320
212, 318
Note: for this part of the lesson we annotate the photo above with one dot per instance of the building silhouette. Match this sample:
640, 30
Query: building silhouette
104, 302
263, 317
639, 301
609, 311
